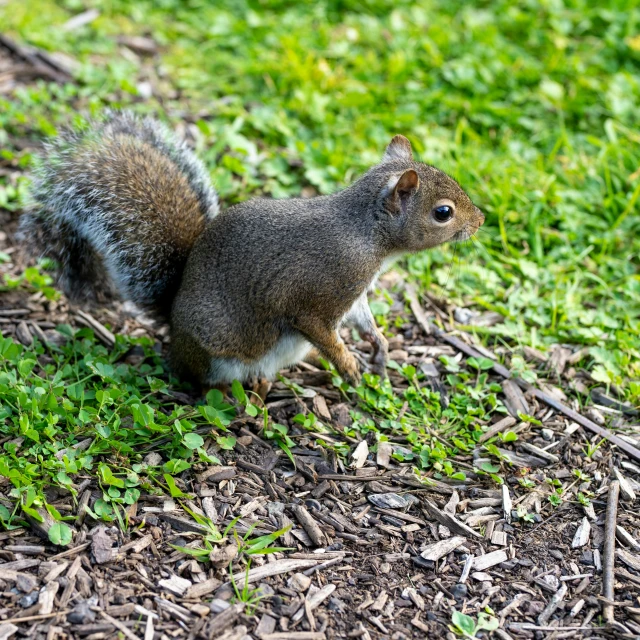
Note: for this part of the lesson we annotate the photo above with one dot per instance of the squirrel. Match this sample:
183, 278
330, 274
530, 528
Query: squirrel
124, 206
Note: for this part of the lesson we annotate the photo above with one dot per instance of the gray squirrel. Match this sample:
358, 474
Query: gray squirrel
247, 291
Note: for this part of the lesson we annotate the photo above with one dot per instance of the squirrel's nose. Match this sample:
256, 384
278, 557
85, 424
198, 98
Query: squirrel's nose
480, 216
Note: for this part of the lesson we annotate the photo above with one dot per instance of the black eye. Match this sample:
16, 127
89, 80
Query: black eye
443, 213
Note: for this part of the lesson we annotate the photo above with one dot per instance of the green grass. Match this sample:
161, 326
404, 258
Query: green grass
531, 105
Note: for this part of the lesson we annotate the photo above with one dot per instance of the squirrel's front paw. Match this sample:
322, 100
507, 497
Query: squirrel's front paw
379, 368
351, 373
380, 355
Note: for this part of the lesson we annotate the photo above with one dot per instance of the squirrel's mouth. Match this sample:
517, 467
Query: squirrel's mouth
468, 231
464, 234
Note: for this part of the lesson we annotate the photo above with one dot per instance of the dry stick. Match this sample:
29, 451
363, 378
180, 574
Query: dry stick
609, 549
44, 64
501, 370
42, 616
118, 625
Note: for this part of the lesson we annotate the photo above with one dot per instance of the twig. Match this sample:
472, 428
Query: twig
118, 625
609, 549
309, 525
324, 565
42, 616
501, 370
553, 604
272, 569
42, 63
103, 333
417, 309
528, 626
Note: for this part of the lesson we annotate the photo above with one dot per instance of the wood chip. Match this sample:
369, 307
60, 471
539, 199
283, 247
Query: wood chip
224, 620
18, 565
137, 545
314, 601
272, 569
439, 549
449, 521
466, 570
417, 309
200, 610
175, 584
626, 538
26, 549
629, 559
383, 456
74, 551
581, 536
47, 597
7, 630
380, 601
396, 557
55, 572
507, 503
118, 625
626, 491
499, 538
415, 597
82, 504
23, 334
401, 515
481, 576
515, 401
540, 453
309, 525
295, 635
387, 500
497, 428
80, 20
416, 622
174, 610
149, 631
490, 560
200, 589
217, 474
359, 455
182, 524
553, 604
266, 625
299, 582
102, 546
221, 557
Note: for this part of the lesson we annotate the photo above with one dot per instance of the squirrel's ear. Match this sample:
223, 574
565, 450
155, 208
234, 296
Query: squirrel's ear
399, 149
400, 192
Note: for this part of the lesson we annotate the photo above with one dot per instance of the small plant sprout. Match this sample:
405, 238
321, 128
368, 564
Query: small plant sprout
467, 627
250, 597
592, 447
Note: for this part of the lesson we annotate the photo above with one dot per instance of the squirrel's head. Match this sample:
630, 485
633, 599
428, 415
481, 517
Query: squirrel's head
425, 206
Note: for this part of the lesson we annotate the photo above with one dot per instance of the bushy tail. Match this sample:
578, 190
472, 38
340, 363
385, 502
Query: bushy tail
119, 206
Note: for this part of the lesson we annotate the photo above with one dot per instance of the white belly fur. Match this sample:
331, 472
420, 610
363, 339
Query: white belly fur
288, 351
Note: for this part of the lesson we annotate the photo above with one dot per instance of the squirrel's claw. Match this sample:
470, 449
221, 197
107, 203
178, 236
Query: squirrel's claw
379, 357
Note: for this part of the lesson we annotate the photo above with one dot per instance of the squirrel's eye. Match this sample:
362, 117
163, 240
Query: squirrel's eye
443, 213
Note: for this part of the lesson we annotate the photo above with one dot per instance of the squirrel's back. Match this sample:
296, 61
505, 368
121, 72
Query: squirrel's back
119, 205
